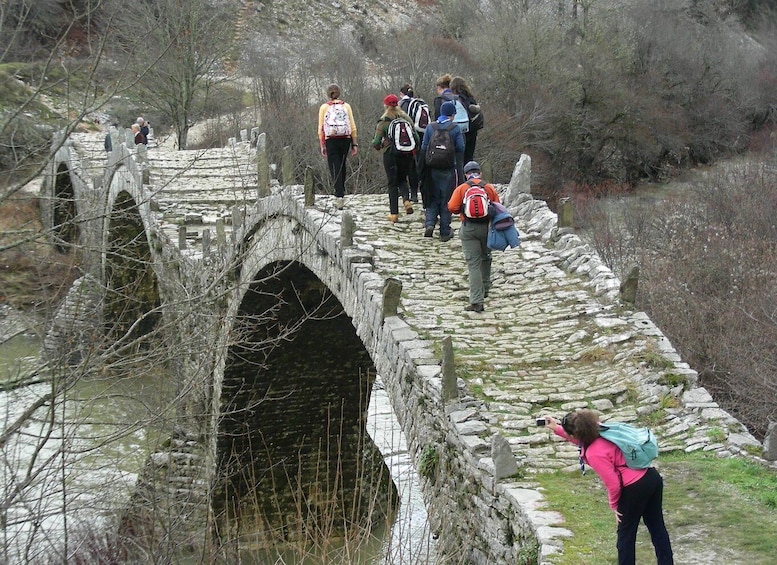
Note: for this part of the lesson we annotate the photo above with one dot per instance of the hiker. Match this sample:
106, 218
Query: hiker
108, 143
444, 93
395, 135
440, 169
474, 235
634, 494
460, 88
145, 129
420, 117
337, 137
137, 136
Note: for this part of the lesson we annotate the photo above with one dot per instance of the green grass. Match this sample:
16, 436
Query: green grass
718, 511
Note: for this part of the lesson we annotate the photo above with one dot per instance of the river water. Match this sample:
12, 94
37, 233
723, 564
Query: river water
103, 443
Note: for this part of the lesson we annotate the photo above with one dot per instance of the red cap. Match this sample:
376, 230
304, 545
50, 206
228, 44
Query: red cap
391, 100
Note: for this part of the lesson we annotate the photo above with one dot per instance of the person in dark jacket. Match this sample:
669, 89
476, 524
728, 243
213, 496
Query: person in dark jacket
108, 143
136, 135
459, 87
145, 130
437, 184
444, 93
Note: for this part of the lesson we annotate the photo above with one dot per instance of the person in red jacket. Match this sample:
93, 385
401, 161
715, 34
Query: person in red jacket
634, 494
474, 238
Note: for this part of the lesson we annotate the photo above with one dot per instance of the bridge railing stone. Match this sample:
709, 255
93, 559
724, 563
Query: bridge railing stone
502, 518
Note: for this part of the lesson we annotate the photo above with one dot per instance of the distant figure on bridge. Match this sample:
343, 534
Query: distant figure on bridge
474, 237
443, 147
336, 136
634, 494
108, 143
395, 135
137, 136
145, 129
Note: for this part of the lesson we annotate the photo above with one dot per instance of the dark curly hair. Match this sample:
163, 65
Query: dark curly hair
583, 424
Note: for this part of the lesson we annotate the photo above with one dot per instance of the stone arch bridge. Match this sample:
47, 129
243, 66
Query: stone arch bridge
279, 310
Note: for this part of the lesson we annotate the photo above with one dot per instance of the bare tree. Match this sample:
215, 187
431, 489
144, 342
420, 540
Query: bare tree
178, 47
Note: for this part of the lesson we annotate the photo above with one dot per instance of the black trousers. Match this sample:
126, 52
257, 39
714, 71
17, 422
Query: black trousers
337, 150
398, 169
643, 500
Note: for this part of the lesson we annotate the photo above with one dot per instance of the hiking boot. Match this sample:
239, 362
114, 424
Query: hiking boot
339, 203
446, 237
393, 218
408, 207
428, 232
478, 307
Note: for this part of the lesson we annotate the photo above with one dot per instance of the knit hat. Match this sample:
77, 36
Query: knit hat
471, 166
391, 100
448, 108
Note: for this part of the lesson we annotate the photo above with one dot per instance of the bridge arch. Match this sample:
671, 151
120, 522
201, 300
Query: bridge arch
209, 291
129, 264
293, 389
64, 211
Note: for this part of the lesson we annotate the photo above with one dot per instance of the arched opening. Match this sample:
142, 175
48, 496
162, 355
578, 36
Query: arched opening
64, 226
132, 295
293, 453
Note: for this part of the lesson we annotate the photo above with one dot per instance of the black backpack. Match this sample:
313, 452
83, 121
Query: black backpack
441, 151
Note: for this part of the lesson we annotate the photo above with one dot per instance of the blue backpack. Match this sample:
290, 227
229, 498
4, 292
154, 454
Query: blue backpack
639, 445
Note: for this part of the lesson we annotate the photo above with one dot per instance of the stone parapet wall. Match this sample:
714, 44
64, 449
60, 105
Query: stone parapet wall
476, 505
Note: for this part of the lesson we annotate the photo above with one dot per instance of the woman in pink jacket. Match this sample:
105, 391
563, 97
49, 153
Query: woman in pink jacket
634, 494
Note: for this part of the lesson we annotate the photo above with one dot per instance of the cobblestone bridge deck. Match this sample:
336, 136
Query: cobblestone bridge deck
554, 335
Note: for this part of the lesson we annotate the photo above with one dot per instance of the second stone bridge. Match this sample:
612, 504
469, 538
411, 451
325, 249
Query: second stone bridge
282, 310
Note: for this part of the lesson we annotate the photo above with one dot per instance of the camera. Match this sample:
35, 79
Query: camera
541, 422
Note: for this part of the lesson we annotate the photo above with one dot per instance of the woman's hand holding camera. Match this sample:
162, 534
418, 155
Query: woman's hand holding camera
548, 422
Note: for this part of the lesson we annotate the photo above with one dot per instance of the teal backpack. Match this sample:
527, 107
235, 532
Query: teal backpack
639, 445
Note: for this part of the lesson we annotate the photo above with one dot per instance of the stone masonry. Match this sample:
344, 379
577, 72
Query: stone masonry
554, 336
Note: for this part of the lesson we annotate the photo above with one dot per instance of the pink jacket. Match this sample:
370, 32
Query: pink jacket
607, 460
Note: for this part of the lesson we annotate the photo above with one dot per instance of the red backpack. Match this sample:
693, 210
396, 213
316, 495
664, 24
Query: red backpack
475, 202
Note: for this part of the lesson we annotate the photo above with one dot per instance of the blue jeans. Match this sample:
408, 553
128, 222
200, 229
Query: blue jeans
442, 181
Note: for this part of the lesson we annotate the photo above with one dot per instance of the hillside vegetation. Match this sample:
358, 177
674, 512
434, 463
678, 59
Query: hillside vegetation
603, 95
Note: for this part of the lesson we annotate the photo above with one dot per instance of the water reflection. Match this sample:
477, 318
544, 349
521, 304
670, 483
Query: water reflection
407, 540
103, 435
16, 355
410, 540
72, 462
